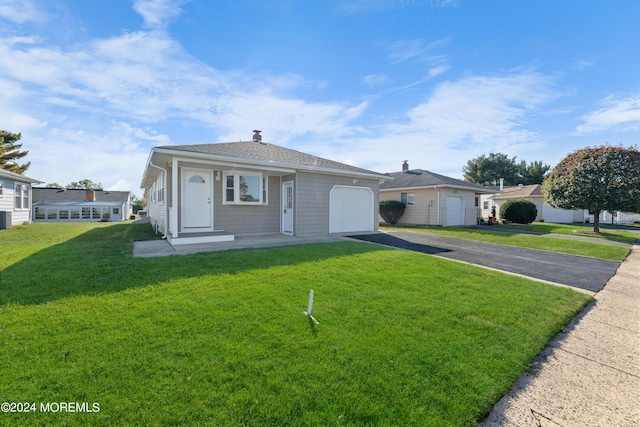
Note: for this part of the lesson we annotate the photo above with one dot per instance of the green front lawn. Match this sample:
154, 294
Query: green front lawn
500, 236
221, 339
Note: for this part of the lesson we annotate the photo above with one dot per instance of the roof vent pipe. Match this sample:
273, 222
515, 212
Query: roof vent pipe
405, 166
256, 136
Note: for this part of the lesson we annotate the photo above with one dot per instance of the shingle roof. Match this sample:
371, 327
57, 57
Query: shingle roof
422, 178
266, 153
520, 191
40, 194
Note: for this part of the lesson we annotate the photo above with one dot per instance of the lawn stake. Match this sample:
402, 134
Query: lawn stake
309, 307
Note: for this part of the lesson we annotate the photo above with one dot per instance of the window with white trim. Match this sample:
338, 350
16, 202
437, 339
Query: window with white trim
17, 193
485, 205
250, 189
1, 189
25, 196
408, 198
159, 186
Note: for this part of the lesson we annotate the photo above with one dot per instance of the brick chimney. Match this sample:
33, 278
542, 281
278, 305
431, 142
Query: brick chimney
405, 166
256, 136
91, 195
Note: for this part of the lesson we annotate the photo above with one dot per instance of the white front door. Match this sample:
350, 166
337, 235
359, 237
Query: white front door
287, 207
197, 200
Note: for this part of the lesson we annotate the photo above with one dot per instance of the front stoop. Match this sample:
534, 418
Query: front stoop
204, 237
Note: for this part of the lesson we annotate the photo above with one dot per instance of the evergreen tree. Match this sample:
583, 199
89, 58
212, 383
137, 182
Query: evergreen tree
10, 153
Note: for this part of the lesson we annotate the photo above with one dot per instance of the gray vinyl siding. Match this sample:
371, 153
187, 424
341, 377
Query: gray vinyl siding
248, 219
312, 195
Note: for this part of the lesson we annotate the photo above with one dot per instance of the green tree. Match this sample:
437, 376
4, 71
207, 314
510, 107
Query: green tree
596, 178
86, 184
10, 152
487, 170
54, 185
533, 173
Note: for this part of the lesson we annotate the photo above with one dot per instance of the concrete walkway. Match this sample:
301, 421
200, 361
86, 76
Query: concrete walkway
156, 248
589, 374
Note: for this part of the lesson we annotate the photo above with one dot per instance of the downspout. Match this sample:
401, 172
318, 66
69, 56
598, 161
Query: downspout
164, 178
438, 207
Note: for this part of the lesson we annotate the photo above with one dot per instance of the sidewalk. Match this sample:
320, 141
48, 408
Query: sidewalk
589, 374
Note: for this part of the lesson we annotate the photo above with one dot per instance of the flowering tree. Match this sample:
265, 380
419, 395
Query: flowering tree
597, 179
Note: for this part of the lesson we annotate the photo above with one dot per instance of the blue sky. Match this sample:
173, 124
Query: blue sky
94, 85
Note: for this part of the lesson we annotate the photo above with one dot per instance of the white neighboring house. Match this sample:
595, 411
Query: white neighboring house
15, 198
533, 193
80, 205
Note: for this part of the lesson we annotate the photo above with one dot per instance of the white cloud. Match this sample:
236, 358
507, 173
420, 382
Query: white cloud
19, 11
115, 158
460, 120
614, 113
405, 50
375, 80
360, 6
158, 13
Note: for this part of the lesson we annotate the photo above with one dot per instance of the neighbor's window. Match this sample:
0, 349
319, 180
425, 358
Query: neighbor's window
40, 212
245, 188
1, 189
485, 205
408, 198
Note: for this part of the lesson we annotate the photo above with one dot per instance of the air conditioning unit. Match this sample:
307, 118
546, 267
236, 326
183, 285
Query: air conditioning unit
5, 220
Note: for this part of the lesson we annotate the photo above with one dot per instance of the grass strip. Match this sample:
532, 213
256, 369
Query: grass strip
531, 241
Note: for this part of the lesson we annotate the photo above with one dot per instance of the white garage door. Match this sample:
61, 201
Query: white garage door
455, 211
351, 209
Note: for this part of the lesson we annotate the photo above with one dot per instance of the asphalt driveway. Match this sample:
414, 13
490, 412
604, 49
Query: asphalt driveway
590, 274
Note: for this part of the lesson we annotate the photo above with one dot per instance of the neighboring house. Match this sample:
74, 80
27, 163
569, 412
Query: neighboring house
433, 199
533, 193
80, 205
212, 192
15, 198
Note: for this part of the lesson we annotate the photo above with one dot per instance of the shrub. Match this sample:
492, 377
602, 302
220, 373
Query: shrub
391, 211
519, 211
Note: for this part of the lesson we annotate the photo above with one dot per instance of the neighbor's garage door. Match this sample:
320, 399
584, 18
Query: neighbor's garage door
351, 209
455, 211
